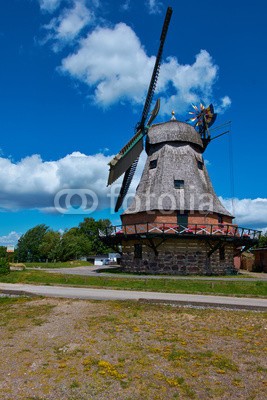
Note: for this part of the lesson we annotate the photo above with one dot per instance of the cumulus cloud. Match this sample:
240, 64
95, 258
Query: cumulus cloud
112, 61
190, 83
68, 25
33, 183
49, 5
115, 66
10, 239
248, 212
225, 103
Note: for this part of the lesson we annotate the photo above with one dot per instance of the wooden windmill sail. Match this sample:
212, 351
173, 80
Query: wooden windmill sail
126, 160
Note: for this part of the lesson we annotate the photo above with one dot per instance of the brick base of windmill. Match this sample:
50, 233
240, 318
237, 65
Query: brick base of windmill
163, 247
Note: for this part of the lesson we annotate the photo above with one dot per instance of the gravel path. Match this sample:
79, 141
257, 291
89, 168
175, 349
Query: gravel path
109, 294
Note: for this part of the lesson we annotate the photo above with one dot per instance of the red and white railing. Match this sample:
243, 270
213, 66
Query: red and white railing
155, 228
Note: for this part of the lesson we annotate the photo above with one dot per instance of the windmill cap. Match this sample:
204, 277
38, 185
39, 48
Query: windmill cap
174, 131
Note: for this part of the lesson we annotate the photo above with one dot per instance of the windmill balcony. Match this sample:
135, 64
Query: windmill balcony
153, 229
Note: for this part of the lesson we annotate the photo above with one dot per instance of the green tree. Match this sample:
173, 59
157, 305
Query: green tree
50, 247
42, 243
2, 251
29, 244
74, 244
90, 227
263, 240
4, 266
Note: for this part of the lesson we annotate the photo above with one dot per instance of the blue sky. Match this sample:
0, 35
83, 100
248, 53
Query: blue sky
73, 76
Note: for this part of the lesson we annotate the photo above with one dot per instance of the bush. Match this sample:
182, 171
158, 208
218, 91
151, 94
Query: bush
4, 266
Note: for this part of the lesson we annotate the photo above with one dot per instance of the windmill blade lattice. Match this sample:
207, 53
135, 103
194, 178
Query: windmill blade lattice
126, 160
129, 174
155, 74
127, 180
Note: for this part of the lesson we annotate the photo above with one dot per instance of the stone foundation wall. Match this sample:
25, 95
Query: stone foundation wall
176, 256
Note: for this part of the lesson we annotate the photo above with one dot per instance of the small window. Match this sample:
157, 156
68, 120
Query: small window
153, 164
220, 219
222, 253
178, 184
138, 251
200, 164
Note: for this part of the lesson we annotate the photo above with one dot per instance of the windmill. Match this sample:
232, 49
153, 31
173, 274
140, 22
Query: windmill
175, 224
126, 160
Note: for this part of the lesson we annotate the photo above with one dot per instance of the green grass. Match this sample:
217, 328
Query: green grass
66, 264
230, 288
27, 314
12, 300
119, 271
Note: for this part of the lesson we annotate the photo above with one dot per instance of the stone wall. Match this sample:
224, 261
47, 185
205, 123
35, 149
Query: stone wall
176, 256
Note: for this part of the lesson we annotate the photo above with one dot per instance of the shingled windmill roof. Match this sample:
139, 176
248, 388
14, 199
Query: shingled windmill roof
173, 131
178, 148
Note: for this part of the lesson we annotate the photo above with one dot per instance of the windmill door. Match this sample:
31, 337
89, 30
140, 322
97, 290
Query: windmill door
182, 220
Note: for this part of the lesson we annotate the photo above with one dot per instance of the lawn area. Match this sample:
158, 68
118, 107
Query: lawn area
82, 350
231, 288
66, 264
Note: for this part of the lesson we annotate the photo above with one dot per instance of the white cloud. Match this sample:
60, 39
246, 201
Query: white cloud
225, 103
248, 212
154, 6
33, 183
69, 24
190, 83
10, 239
113, 63
49, 5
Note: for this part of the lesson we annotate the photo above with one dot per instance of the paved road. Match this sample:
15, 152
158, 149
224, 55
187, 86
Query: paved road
96, 271
108, 294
